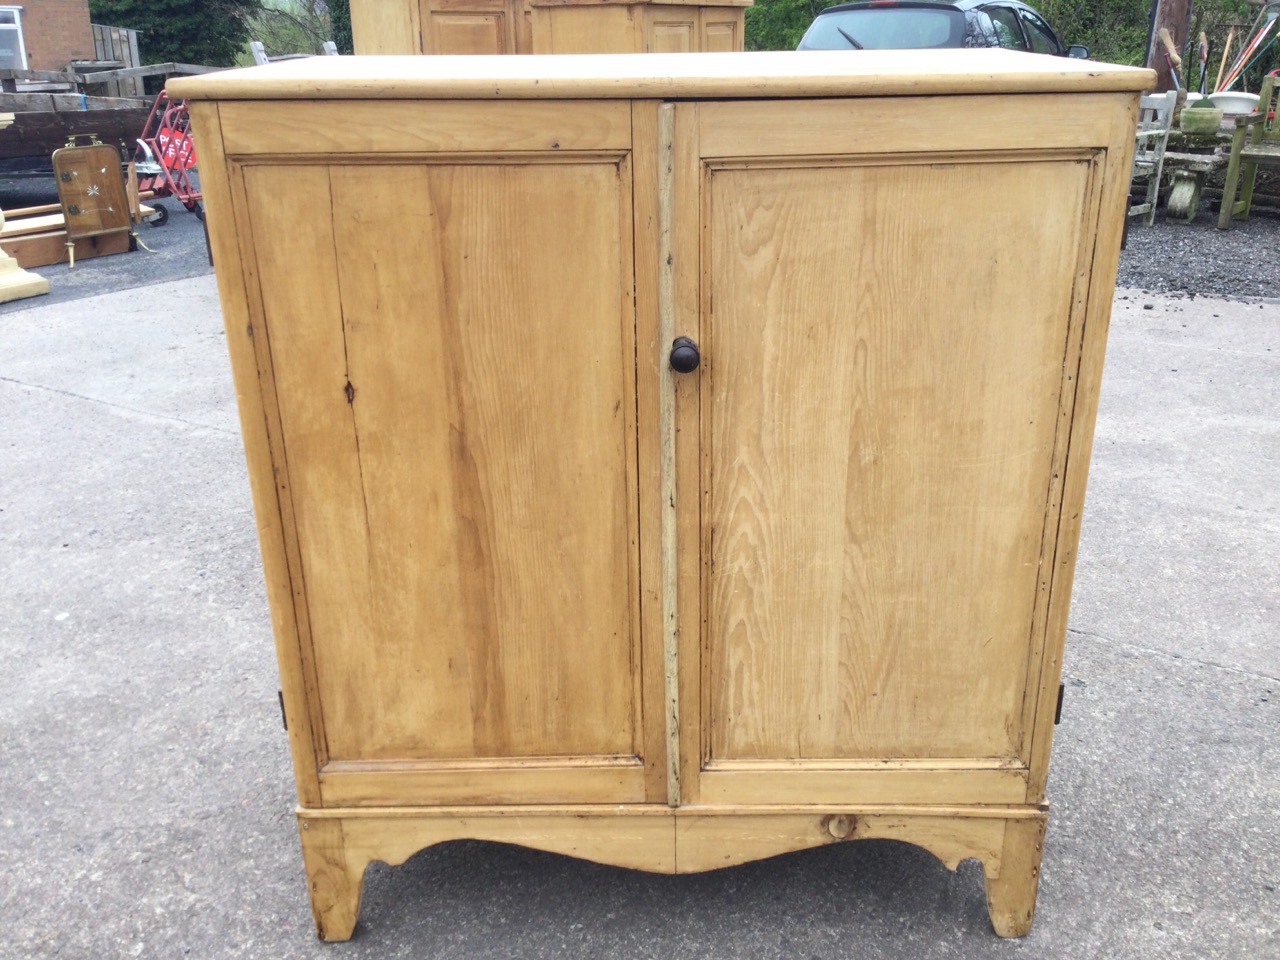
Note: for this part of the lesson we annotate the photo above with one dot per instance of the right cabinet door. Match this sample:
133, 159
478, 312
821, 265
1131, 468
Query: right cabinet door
889, 299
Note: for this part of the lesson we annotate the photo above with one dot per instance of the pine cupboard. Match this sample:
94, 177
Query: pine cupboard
668, 461
547, 26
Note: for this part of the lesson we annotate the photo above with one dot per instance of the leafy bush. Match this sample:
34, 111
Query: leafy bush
209, 32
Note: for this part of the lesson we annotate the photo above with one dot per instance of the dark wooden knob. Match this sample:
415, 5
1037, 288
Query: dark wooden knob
684, 355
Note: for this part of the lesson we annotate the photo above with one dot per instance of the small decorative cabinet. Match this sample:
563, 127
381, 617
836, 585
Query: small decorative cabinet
529, 581
547, 26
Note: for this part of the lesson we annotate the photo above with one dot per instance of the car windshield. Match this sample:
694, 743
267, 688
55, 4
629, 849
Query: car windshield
888, 28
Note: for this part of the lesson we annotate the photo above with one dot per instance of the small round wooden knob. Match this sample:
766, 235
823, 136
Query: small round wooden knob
685, 355
841, 826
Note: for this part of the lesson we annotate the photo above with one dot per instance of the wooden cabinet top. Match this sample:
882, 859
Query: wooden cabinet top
675, 75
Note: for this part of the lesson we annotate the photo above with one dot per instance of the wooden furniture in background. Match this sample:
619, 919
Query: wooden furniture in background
531, 584
15, 282
546, 26
1155, 119
1256, 142
91, 188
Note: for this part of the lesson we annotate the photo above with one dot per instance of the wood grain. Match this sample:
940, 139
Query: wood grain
764, 75
869, 126
489, 622
578, 29
711, 842
1013, 878
500, 536
469, 26
880, 455
649, 404
378, 27
258, 129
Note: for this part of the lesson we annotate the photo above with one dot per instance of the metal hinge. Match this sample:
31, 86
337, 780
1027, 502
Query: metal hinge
1057, 713
285, 720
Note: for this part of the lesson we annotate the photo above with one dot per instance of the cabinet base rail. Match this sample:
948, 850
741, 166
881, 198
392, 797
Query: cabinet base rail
339, 843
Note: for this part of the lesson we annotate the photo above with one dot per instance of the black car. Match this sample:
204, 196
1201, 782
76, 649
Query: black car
922, 24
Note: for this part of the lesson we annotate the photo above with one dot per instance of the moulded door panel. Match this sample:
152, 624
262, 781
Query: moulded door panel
881, 413
455, 378
671, 30
467, 26
721, 30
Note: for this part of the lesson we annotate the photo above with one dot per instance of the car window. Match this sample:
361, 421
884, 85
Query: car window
979, 31
887, 28
1007, 30
1038, 32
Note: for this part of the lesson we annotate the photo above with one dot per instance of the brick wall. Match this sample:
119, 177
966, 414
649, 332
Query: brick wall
55, 32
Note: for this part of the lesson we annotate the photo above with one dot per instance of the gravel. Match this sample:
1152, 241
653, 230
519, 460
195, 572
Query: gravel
1200, 260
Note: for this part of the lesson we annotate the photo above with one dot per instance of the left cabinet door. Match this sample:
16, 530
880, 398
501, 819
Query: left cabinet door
441, 297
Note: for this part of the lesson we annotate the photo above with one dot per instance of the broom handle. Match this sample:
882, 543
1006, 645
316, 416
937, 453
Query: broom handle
1226, 51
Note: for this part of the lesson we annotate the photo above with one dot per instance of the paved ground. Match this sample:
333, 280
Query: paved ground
145, 792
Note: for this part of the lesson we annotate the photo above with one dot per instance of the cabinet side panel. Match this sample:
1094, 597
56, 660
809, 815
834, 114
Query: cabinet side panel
246, 347
457, 406
885, 370
1122, 114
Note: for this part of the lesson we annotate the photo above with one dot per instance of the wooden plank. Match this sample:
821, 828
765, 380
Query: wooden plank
818, 73
505, 781
43, 249
667, 444
907, 786
39, 134
312, 129
687, 316
20, 212
871, 127
649, 359
26, 225
662, 811
42, 219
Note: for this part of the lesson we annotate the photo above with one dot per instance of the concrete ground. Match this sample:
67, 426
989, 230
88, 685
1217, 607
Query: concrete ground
145, 788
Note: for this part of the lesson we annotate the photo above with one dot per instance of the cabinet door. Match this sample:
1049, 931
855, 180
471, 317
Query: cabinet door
671, 29
467, 26
721, 29
889, 299
445, 325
